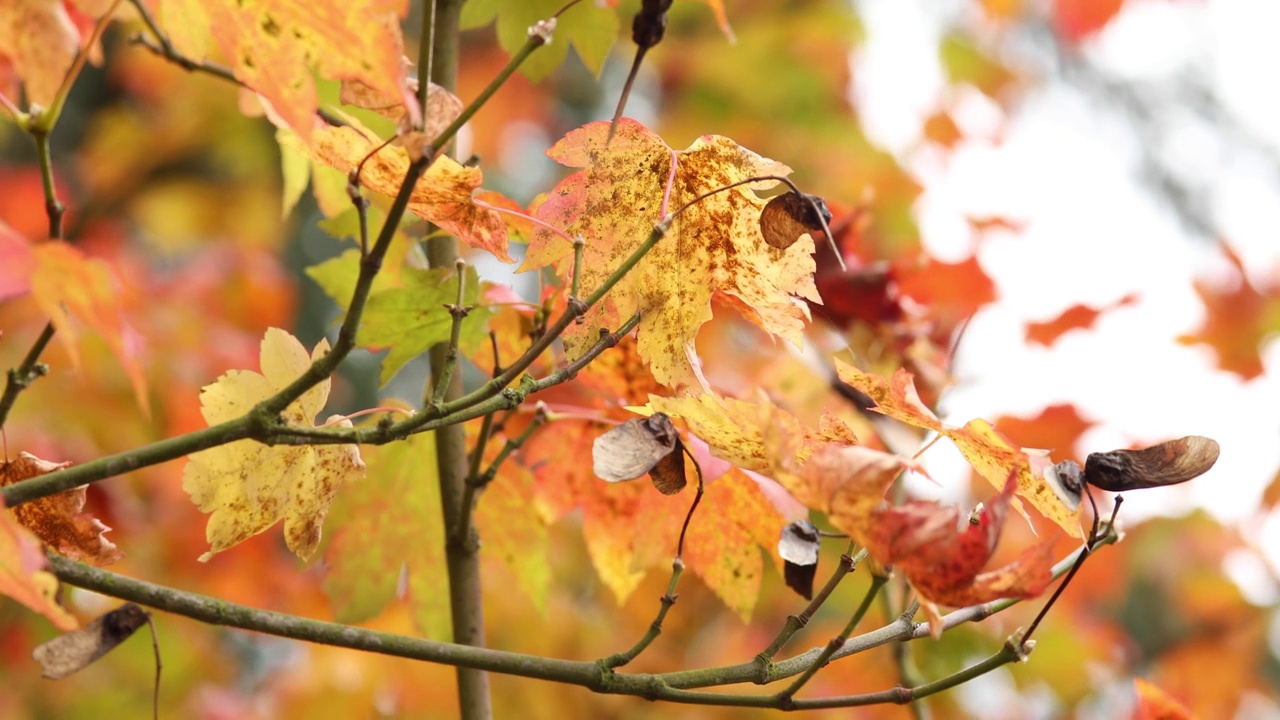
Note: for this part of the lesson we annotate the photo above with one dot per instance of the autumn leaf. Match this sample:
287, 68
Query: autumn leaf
391, 523
245, 486
1156, 704
274, 44
1057, 429
442, 195
58, 519
589, 29
1239, 319
1076, 317
40, 40
953, 290
1076, 20
23, 574
512, 530
990, 453
943, 563
613, 202
68, 284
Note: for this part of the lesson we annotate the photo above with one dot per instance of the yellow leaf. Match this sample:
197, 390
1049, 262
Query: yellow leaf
714, 247
246, 487
22, 573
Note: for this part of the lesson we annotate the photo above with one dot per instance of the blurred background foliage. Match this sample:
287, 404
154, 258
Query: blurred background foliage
167, 179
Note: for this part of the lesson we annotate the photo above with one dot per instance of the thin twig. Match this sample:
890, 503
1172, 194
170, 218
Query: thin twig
848, 563
458, 311
877, 582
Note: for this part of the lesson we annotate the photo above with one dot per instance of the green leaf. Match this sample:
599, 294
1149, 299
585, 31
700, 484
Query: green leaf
591, 30
411, 318
388, 521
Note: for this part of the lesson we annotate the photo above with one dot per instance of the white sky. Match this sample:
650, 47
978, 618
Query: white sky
1093, 235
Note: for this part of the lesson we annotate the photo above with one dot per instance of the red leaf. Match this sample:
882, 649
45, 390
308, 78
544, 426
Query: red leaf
1076, 20
1077, 317
953, 290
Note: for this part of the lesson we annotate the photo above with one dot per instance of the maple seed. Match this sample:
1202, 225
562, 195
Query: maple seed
790, 215
798, 548
638, 446
76, 650
1168, 463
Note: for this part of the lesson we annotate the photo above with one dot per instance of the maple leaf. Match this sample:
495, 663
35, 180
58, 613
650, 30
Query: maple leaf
953, 290
943, 563
57, 519
246, 487
442, 195
65, 283
391, 523
588, 28
1239, 319
1076, 317
273, 44
1057, 428
1076, 20
993, 456
40, 39
23, 576
409, 318
715, 246
1156, 704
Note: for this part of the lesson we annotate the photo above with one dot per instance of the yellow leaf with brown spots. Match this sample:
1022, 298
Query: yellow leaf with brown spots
274, 44
715, 246
24, 575
246, 487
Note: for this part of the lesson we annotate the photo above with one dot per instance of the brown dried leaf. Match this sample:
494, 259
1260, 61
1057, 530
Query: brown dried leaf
58, 519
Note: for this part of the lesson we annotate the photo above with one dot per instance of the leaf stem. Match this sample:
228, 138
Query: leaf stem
617, 660
458, 311
848, 563
877, 582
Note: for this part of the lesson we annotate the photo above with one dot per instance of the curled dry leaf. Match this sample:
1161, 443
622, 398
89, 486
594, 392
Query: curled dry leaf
74, 651
988, 451
58, 520
1168, 463
798, 548
638, 446
788, 216
943, 558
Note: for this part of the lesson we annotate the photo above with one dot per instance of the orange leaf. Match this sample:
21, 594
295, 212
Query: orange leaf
615, 199
1238, 320
1057, 428
953, 290
1155, 704
41, 41
23, 576
273, 44
16, 263
1076, 20
989, 452
442, 195
57, 519
1076, 317
66, 283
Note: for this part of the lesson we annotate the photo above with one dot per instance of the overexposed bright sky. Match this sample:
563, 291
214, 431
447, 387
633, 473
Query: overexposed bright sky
1093, 234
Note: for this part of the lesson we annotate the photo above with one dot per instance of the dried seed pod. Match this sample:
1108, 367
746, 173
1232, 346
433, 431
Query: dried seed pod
1067, 482
1168, 463
638, 446
798, 548
75, 650
790, 215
